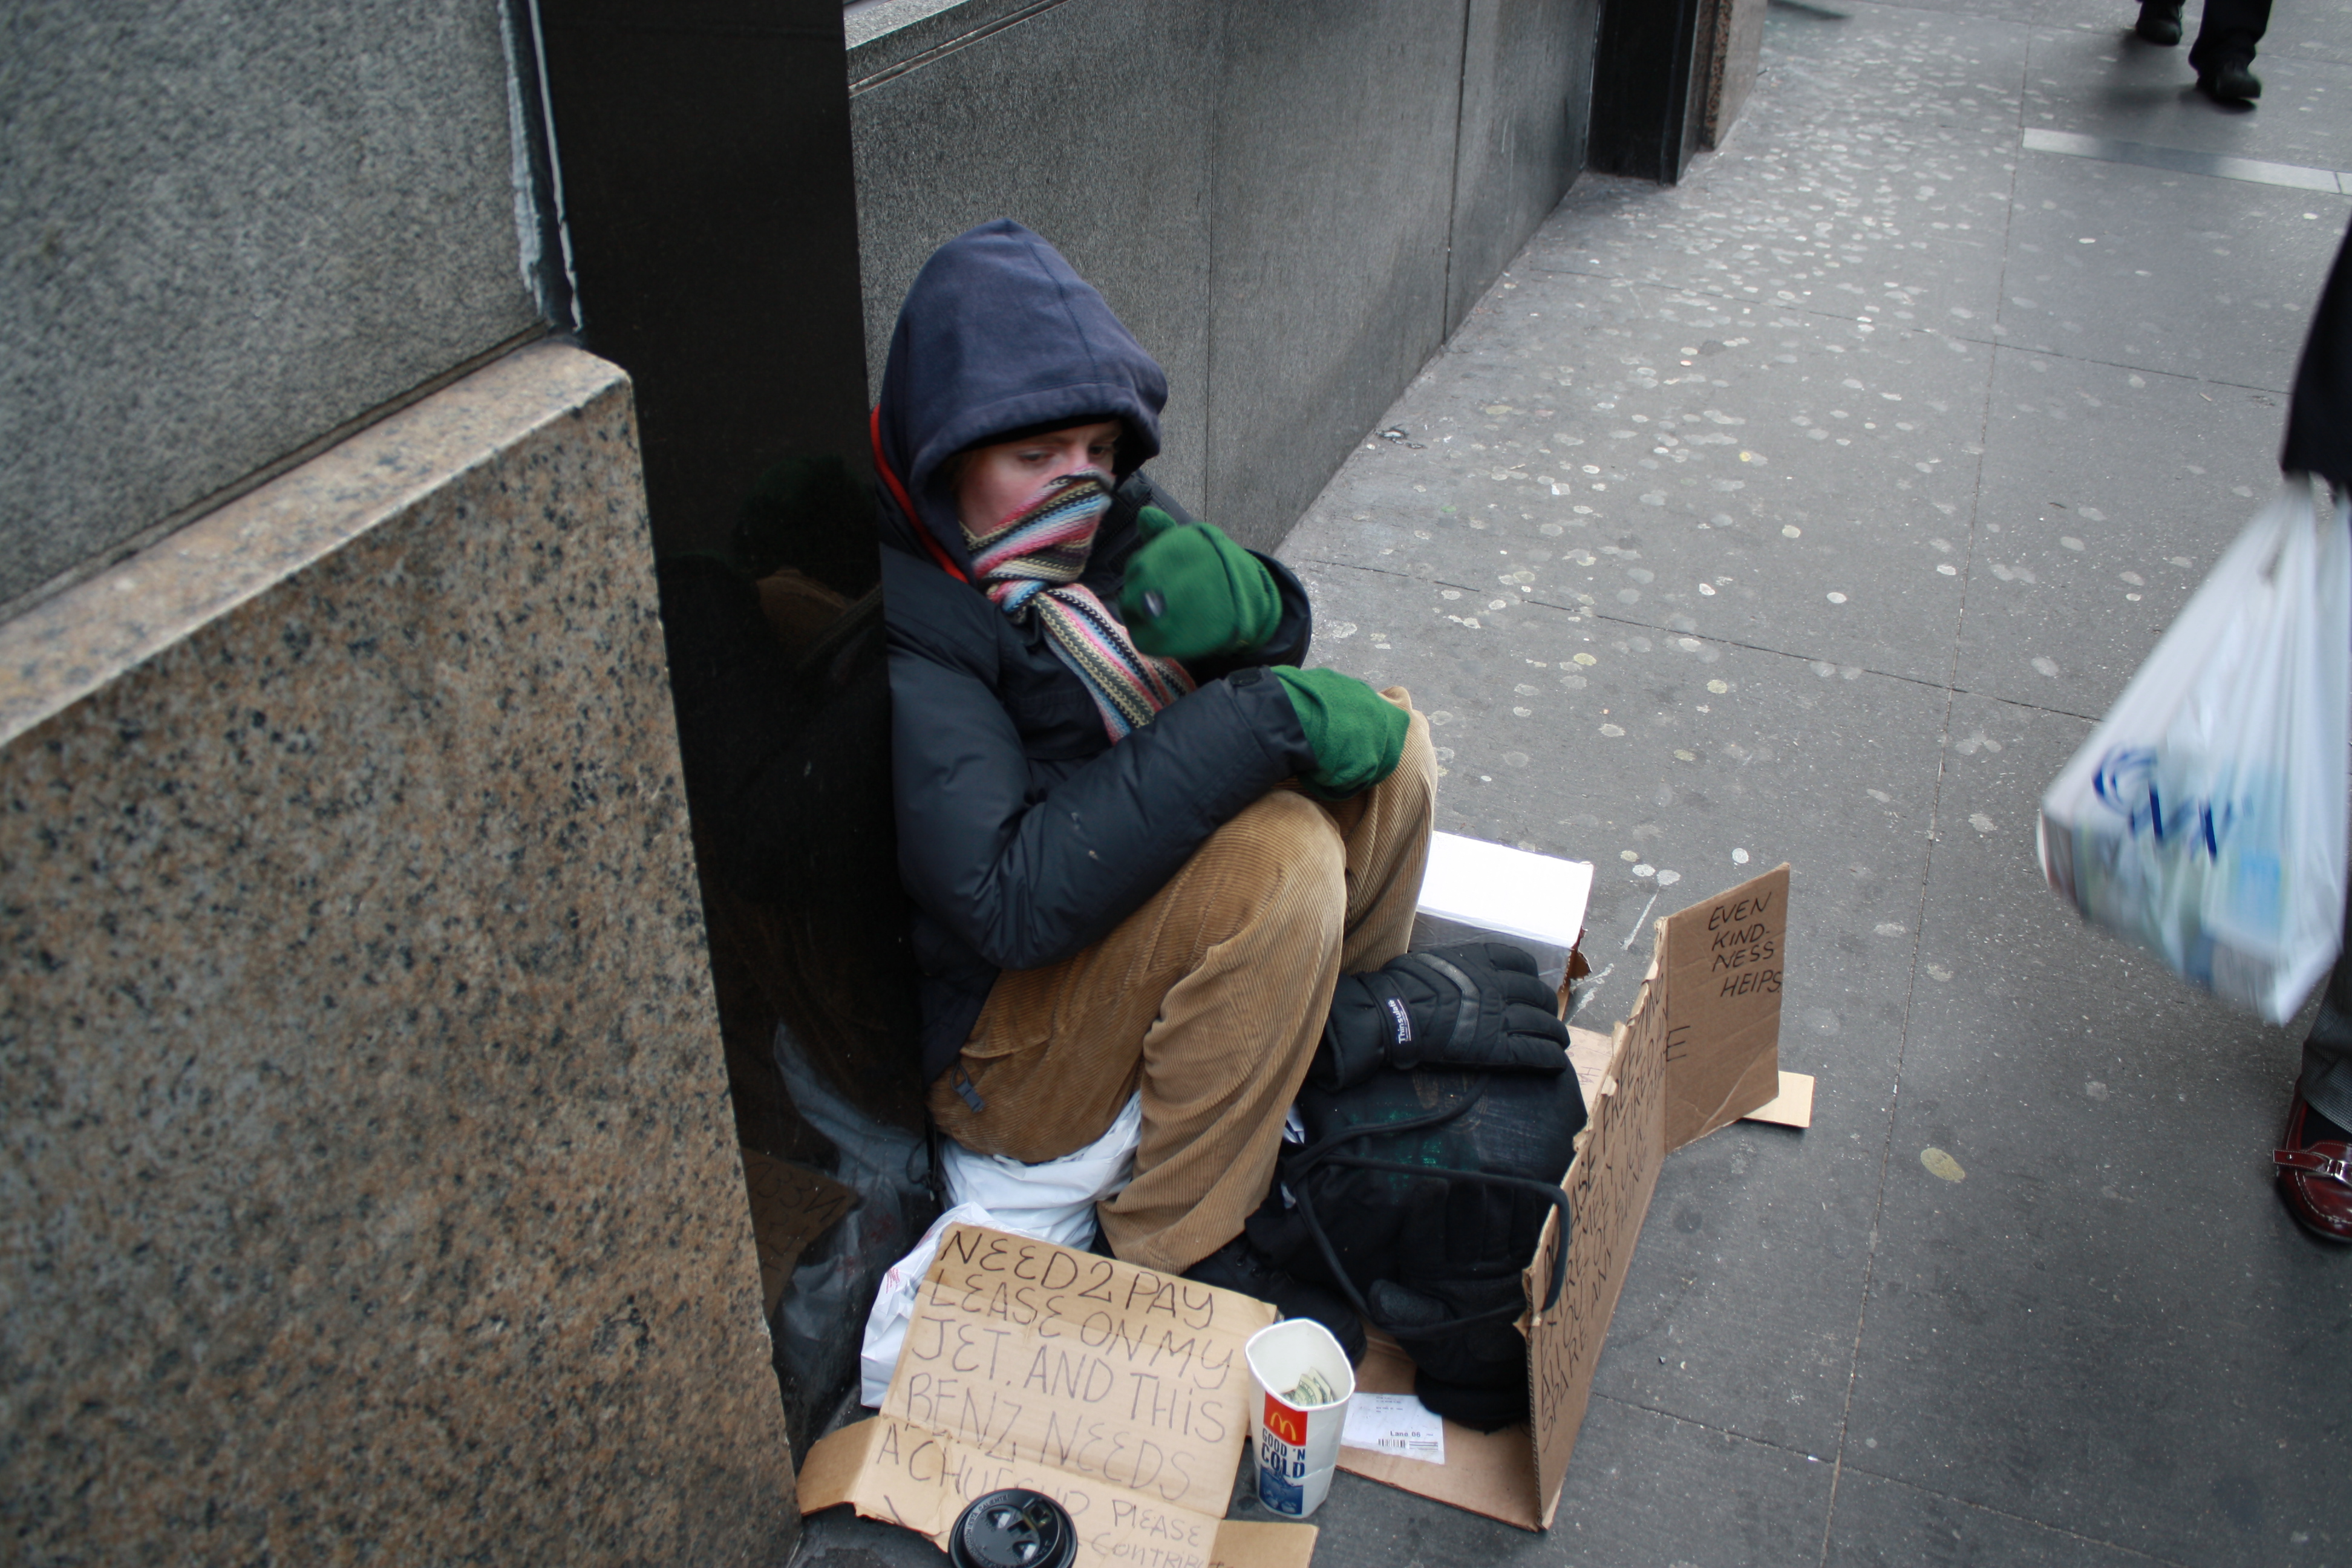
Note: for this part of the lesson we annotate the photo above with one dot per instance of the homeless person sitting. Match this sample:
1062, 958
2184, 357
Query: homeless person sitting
1141, 842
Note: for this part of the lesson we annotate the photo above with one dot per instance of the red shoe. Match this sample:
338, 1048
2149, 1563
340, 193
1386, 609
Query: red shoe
2315, 1179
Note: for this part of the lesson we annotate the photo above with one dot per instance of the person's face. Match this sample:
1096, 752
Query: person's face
1000, 481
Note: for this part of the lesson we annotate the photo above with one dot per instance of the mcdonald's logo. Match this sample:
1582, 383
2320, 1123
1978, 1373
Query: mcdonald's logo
1285, 1423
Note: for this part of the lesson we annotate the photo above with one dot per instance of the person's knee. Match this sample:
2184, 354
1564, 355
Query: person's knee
1278, 857
1281, 835
1414, 783
1419, 759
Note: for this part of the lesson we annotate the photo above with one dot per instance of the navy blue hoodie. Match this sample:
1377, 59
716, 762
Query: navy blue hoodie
1024, 834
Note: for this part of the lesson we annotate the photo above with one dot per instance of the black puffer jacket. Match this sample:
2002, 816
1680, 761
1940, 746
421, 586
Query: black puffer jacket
1024, 834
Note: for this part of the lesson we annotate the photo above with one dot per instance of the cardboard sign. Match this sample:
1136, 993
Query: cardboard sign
1724, 960
792, 1205
1690, 1056
1608, 1187
1515, 1475
921, 1478
1120, 1391
1491, 1473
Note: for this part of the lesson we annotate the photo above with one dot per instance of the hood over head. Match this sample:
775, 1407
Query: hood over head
999, 334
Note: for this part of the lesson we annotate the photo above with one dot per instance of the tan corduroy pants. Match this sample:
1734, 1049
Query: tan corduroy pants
1210, 999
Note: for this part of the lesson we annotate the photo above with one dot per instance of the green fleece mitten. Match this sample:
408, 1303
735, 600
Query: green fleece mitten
1191, 592
1358, 734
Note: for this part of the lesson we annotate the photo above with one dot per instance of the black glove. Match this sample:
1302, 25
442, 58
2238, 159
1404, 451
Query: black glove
1476, 1007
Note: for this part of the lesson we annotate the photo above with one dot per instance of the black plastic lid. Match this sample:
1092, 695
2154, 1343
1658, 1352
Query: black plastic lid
1015, 1528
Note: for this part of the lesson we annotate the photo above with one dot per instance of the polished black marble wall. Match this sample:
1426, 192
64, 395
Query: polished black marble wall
702, 151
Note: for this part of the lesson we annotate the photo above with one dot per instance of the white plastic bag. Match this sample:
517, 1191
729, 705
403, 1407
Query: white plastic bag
2204, 819
894, 1303
1053, 1200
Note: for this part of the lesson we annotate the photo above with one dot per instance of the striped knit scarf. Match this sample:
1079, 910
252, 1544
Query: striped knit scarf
1031, 562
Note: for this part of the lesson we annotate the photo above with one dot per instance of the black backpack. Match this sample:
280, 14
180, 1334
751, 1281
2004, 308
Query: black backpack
1418, 1193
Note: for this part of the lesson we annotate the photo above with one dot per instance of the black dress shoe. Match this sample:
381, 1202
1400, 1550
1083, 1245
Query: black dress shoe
2159, 21
1239, 1267
2230, 81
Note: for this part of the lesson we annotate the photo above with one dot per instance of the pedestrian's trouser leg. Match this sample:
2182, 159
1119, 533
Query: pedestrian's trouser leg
2326, 1080
2229, 31
1210, 999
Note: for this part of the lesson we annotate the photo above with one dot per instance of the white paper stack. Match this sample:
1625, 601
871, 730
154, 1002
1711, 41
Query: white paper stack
1474, 890
1394, 1423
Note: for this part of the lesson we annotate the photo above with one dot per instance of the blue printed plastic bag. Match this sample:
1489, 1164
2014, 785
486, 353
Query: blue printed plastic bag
2204, 819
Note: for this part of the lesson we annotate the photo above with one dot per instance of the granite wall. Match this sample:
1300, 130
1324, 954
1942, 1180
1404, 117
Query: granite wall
1735, 50
1292, 206
1090, 121
368, 1190
314, 205
1526, 62
1334, 191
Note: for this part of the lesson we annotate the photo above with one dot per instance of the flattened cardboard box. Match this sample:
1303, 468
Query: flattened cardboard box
1119, 1392
1700, 1048
1123, 1393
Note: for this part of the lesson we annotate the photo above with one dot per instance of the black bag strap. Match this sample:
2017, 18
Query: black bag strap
1315, 1154
1325, 1153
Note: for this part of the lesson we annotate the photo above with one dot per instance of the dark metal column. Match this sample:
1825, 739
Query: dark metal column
1649, 85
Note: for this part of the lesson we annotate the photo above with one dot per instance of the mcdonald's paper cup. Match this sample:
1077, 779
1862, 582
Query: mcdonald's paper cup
1298, 1442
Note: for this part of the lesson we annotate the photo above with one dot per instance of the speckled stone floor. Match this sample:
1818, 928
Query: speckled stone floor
1812, 510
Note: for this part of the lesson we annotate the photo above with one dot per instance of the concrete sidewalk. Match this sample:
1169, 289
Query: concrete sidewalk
1812, 510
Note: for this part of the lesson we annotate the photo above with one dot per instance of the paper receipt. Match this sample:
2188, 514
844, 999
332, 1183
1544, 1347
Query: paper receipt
1394, 1423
